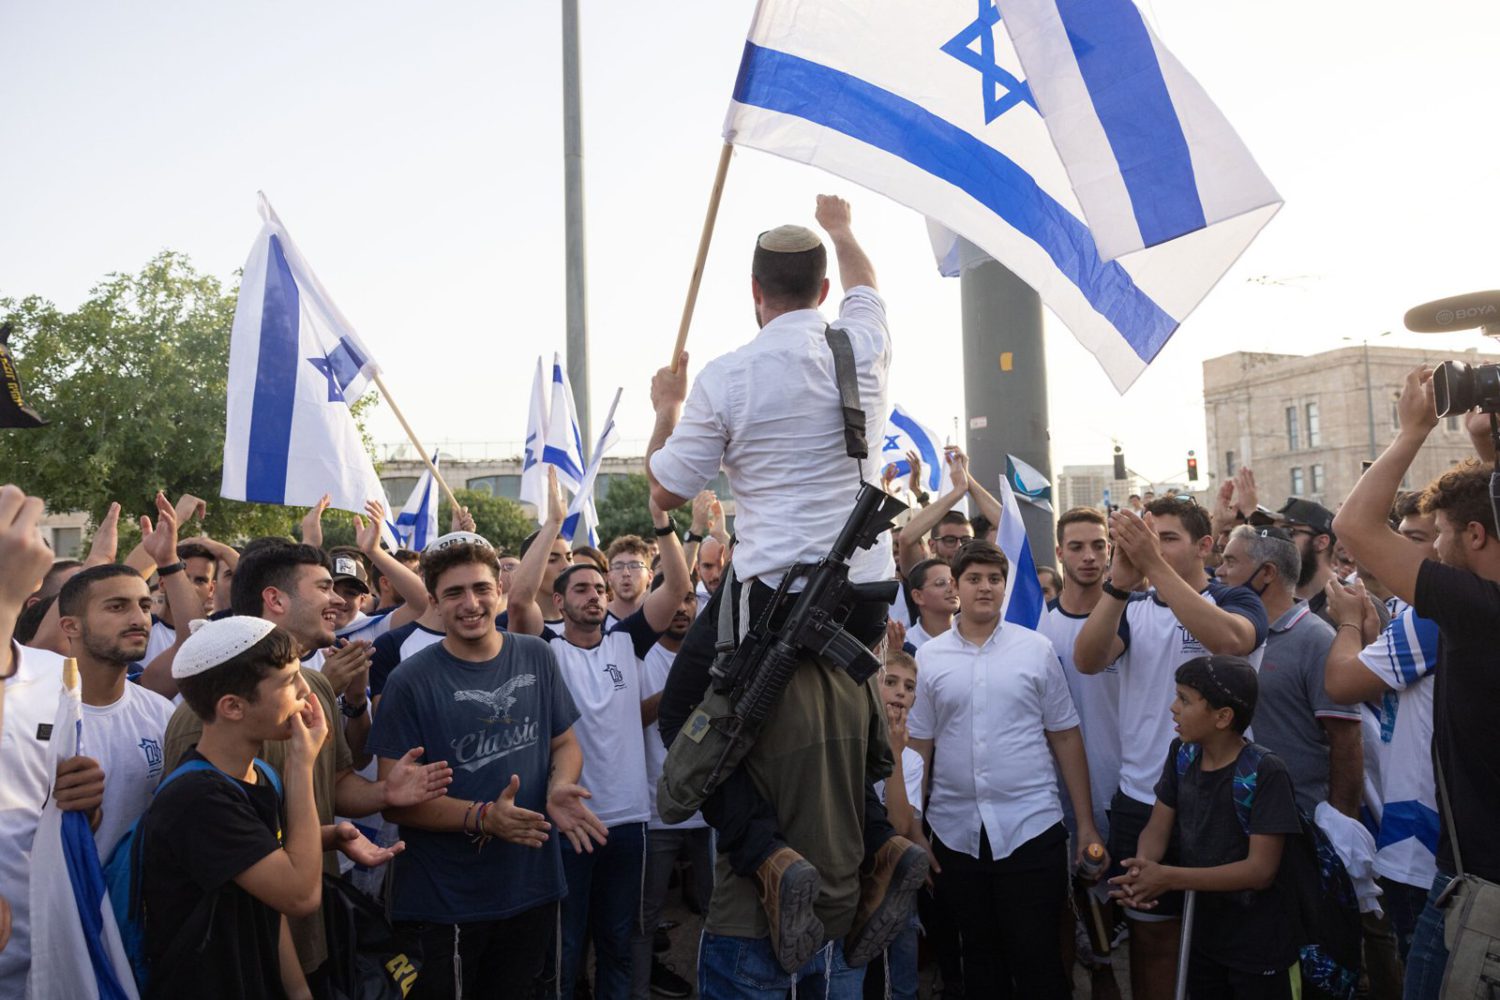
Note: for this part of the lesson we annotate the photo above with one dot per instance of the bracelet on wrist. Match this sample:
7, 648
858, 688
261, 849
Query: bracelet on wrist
1352, 625
1115, 592
664, 532
349, 710
693, 536
162, 572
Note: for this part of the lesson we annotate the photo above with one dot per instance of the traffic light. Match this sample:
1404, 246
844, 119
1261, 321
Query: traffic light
1192, 467
1119, 463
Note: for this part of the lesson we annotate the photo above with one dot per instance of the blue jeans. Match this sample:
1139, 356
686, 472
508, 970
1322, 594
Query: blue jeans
736, 968
604, 898
1403, 903
1428, 957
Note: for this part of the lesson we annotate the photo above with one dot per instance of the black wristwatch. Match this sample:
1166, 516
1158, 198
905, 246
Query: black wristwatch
162, 572
664, 532
351, 712
1115, 592
693, 536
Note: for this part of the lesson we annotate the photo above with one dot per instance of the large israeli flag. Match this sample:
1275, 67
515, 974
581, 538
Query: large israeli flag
582, 512
76, 950
564, 447
417, 524
926, 101
903, 434
533, 471
1024, 603
295, 365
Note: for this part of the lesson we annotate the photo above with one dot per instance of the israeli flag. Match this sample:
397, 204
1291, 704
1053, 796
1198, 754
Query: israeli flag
581, 512
417, 524
564, 445
533, 471
76, 949
903, 434
926, 101
1024, 603
295, 365
1028, 484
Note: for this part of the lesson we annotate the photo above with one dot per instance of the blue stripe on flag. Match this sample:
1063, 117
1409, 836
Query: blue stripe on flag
1401, 820
925, 447
794, 86
561, 459
1130, 97
275, 383
1027, 603
87, 879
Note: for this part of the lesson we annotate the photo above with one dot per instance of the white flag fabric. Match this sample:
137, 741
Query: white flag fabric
533, 471
295, 364
417, 523
581, 512
1024, 602
926, 103
564, 447
75, 943
1150, 157
903, 434
1029, 484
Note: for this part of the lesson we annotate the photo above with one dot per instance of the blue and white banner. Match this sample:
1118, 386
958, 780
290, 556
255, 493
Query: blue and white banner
926, 102
295, 365
75, 943
533, 471
904, 434
564, 445
1024, 603
417, 524
581, 512
1028, 484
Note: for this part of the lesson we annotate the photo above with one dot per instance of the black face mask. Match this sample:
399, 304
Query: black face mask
1261, 592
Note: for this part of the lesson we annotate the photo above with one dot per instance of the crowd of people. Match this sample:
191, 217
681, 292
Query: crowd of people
474, 740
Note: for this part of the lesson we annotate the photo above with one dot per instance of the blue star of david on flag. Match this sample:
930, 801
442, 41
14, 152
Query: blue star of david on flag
1002, 90
891, 443
341, 367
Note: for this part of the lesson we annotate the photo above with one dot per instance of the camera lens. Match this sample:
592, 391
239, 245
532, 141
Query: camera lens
1453, 388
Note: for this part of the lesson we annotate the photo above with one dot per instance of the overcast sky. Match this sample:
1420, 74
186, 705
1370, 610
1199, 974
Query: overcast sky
415, 153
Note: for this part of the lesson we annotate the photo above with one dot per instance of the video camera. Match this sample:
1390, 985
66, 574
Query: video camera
1458, 387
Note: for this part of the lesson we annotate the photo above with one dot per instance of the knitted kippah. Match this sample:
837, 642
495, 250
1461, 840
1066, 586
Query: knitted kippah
789, 239
458, 538
211, 643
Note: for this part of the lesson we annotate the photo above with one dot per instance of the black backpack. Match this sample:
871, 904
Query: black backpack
1315, 882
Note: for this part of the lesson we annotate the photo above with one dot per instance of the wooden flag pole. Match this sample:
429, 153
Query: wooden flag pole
703, 242
426, 458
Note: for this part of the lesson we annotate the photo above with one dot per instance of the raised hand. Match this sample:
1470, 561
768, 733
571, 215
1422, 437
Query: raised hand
160, 542
24, 557
895, 730
106, 544
1246, 499
577, 821
1222, 515
958, 467
914, 481
701, 503
716, 526
358, 848
190, 508
833, 214
1136, 538
669, 388
462, 519
557, 510
895, 634
409, 783
312, 522
1416, 410
508, 821
367, 534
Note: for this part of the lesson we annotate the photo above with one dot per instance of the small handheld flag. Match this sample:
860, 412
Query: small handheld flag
1024, 602
417, 524
1028, 484
533, 471
13, 409
581, 512
904, 434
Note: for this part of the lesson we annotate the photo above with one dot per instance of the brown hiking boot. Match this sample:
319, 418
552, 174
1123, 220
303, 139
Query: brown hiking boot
789, 887
887, 896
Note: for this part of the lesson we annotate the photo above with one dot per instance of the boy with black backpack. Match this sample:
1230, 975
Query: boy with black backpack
224, 858
1228, 805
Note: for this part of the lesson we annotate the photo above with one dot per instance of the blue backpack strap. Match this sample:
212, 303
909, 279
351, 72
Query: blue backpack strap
1185, 754
1246, 768
186, 767
269, 773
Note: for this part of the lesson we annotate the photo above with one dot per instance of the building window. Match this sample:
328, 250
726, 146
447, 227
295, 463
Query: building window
1292, 443
1296, 480
508, 486
1314, 432
1317, 478
1229, 467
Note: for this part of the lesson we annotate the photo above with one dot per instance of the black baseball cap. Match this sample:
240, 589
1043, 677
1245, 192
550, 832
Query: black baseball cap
1308, 514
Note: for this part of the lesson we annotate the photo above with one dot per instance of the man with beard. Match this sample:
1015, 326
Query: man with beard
601, 669
106, 615
666, 842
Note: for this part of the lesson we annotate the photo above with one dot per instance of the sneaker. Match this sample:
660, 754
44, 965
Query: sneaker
665, 982
789, 887
887, 899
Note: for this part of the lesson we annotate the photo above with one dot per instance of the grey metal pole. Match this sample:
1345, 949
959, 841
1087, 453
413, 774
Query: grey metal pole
1185, 945
577, 296
1369, 402
1005, 383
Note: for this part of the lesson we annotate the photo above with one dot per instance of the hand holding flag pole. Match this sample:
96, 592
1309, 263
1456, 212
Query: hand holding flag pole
703, 241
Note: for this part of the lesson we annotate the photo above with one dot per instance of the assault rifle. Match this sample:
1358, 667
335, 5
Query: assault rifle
794, 626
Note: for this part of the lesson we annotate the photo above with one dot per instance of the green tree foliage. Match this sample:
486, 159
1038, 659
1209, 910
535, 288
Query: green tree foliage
503, 521
624, 510
134, 383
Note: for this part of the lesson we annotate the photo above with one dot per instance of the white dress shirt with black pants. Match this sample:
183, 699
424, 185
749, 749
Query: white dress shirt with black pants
994, 808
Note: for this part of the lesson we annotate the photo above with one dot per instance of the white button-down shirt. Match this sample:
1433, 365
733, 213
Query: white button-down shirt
987, 709
769, 413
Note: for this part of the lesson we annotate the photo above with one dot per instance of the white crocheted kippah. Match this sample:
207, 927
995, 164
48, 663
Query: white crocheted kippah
211, 643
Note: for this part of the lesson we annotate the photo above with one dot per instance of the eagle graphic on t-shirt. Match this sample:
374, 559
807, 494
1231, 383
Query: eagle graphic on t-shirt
500, 700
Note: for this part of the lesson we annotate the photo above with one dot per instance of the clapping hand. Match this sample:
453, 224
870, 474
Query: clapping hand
106, 544
358, 848
160, 542
312, 522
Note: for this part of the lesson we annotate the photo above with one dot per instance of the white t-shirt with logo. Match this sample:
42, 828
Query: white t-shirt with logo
126, 739
655, 667
1097, 699
1156, 644
605, 682
31, 696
